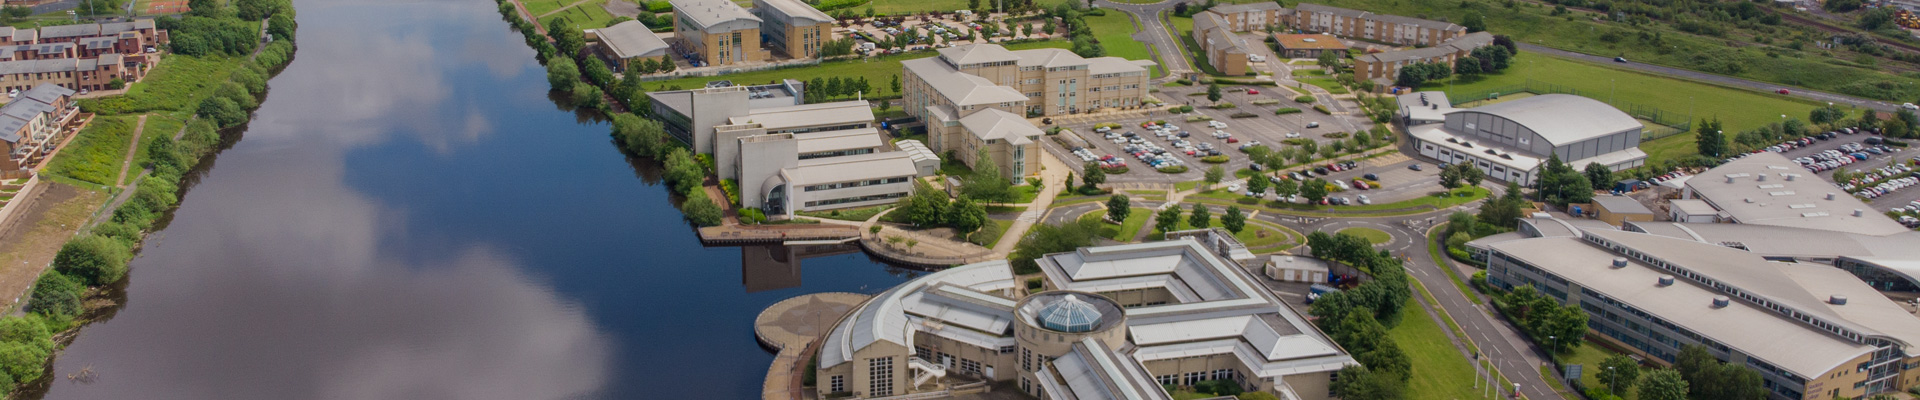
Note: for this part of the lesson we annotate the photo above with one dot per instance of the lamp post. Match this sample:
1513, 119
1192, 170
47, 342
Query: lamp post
1612, 379
1551, 344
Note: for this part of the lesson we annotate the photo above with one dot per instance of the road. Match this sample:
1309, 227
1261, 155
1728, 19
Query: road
1717, 79
1172, 54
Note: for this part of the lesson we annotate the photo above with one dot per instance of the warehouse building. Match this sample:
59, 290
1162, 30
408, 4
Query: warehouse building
1511, 140
1112, 322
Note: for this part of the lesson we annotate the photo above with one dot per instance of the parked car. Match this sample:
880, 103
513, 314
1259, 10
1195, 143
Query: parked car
1313, 125
1253, 91
1370, 176
1364, 200
1291, 135
1415, 167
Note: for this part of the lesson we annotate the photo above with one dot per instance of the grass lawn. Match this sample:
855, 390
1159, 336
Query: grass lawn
1471, 194
1590, 355
587, 15
1330, 84
849, 214
1740, 109
878, 70
990, 233
157, 127
1256, 235
1374, 236
179, 83
1439, 371
1183, 30
1115, 32
542, 7
1025, 194
1125, 231
890, 7
95, 156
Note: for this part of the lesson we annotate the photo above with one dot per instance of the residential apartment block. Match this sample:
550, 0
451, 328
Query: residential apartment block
78, 57
627, 42
976, 97
29, 123
793, 28
787, 156
1404, 31
1112, 322
717, 32
1215, 32
1384, 67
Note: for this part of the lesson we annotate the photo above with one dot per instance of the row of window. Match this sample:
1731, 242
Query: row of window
825, 154
1728, 289
846, 200
880, 377
869, 182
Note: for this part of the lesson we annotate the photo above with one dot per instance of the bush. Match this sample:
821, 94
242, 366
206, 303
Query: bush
752, 216
1265, 102
700, 210
56, 294
93, 260
1223, 105
1114, 170
1220, 159
1335, 135
1322, 109
1198, 118
22, 362
1303, 99
222, 111
1243, 114
1173, 169
1186, 109
1285, 111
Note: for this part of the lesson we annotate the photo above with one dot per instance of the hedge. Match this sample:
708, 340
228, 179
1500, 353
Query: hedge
1173, 169
1285, 111
1322, 109
1221, 159
1303, 99
1243, 114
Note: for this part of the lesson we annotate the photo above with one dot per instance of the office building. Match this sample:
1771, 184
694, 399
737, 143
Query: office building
975, 97
1512, 140
1766, 188
793, 28
717, 32
1112, 322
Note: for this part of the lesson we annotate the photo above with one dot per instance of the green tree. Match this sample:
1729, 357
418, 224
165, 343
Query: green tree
1472, 176
1234, 220
1361, 383
1168, 220
568, 39
1094, 177
1710, 139
1663, 384
1314, 190
986, 184
222, 111
1474, 22
27, 330
965, 216
1619, 373
895, 84
1200, 218
21, 361
1286, 188
926, 208
1467, 66
1213, 92
1876, 19
93, 260
1561, 185
700, 209
1329, 60
681, 171
56, 294
1257, 185
254, 10
1505, 211
1869, 118
1046, 239
1214, 174
1119, 208
562, 73
204, 8
1450, 176
1599, 176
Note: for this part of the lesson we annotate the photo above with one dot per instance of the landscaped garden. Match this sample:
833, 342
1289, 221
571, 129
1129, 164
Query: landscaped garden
1374, 236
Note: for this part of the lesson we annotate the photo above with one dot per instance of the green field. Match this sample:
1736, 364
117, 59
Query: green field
1732, 55
1256, 235
1590, 355
890, 7
179, 83
1123, 232
990, 234
588, 15
877, 70
1374, 236
1439, 371
97, 153
157, 127
542, 7
1739, 109
1115, 32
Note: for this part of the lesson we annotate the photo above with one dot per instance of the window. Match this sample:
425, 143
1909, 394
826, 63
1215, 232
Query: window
839, 384
970, 367
1026, 364
880, 376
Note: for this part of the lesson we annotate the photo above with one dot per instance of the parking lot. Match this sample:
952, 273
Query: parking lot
1898, 198
1265, 128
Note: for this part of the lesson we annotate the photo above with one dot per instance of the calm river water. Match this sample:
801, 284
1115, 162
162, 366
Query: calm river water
410, 217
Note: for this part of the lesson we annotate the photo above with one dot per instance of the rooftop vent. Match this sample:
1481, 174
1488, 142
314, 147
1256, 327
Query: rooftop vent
1619, 262
1466, 143
1508, 156
1749, 199
1721, 301
1666, 280
1436, 106
1838, 300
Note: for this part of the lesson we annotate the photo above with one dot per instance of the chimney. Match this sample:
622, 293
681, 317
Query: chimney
1666, 280
1619, 262
1721, 301
1829, 196
1838, 300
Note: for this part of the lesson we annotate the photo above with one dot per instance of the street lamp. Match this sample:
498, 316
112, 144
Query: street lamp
1551, 342
1612, 379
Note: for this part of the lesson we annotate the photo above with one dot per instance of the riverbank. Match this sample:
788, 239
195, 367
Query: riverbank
69, 248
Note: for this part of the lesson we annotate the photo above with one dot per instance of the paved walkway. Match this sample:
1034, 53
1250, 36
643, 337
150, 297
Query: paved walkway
1054, 175
794, 326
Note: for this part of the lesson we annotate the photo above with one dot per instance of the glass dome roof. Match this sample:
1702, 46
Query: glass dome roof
1070, 314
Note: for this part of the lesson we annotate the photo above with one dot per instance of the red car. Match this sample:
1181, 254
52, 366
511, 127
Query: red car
1233, 140
1783, 91
1253, 91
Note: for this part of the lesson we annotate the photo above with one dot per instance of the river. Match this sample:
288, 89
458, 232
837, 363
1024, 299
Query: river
409, 216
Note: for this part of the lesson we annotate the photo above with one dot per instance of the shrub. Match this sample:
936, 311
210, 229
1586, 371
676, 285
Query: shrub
1265, 102
1335, 135
752, 216
700, 210
56, 294
1198, 118
1223, 105
93, 259
1173, 169
873, 229
116, 84
1243, 114
1303, 99
1285, 111
1322, 109
1113, 170
1186, 109
1220, 159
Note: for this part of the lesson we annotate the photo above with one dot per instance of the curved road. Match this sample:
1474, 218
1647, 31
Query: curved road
1173, 56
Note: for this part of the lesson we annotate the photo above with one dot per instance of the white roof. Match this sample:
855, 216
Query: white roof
858, 138
835, 113
991, 124
884, 317
1781, 202
711, 13
917, 150
978, 53
632, 39
960, 88
1434, 110
852, 168
798, 10
1562, 119
1692, 207
1438, 135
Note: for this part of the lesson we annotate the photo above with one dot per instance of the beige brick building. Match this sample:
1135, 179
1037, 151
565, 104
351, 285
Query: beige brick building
1349, 23
977, 96
1383, 67
717, 32
793, 28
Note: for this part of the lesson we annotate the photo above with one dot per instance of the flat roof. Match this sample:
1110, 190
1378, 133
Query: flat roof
709, 13
777, 118
796, 9
1692, 207
1562, 119
1434, 108
632, 39
1316, 8
1438, 134
1621, 205
1308, 41
1737, 189
1237, 8
1758, 332
852, 168
859, 138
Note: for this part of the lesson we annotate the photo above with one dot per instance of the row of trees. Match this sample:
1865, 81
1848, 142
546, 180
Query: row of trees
1696, 375
1168, 220
1308, 150
1483, 60
1418, 73
1557, 327
821, 89
1560, 184
1358, 318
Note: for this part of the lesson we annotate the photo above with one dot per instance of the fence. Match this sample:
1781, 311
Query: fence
1677, 121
